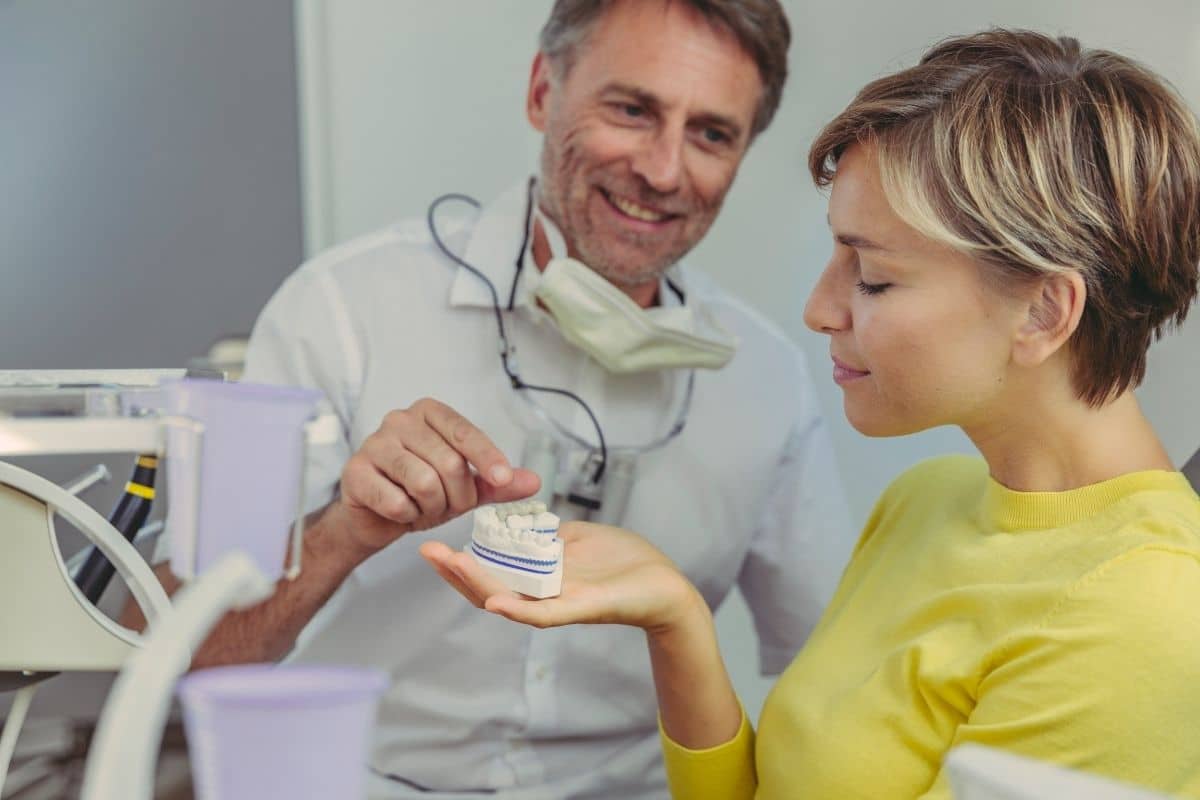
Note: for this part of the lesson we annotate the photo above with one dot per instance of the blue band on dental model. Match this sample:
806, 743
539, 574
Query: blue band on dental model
499, 554
478, 551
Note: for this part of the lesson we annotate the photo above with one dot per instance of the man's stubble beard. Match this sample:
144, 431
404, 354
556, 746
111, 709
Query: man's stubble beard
550, 200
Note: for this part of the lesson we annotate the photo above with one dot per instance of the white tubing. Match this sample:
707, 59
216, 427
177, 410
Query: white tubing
12, 728
122, 758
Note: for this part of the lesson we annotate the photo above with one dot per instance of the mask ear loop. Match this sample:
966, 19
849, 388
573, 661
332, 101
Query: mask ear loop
507, 358
554, 237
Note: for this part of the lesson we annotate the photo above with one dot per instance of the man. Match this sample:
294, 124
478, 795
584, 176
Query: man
647, 107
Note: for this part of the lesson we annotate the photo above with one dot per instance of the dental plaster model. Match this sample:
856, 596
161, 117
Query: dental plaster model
518, 543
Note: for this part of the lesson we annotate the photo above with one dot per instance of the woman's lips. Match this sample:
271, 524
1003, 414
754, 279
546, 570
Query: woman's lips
844, 373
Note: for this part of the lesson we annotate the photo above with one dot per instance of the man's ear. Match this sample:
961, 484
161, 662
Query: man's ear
537, 99
1052, 316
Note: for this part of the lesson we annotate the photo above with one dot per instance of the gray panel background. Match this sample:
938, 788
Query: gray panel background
149, 176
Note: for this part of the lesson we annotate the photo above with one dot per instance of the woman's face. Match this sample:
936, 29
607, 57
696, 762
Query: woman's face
917, 337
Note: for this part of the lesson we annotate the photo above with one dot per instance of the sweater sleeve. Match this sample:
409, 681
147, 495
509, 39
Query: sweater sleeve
1106, 682
723, 772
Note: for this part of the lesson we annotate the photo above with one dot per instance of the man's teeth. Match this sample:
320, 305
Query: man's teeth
637, 212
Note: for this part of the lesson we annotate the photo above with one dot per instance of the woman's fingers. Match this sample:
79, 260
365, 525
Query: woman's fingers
462, 572
538, 613
479, 579
440, 557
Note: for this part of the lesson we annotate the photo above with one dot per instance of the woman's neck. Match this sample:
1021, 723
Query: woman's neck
1066, 444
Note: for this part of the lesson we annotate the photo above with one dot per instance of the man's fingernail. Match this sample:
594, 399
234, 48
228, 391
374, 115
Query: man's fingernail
501, 474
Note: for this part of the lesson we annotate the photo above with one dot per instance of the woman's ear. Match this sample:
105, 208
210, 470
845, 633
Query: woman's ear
1052, 316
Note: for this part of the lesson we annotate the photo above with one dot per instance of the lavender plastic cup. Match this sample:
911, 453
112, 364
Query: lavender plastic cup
249, 461
262, 732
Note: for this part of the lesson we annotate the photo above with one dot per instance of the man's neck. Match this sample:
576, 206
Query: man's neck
645, 295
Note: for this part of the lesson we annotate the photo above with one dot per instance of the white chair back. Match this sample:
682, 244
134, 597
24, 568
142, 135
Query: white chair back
983, 773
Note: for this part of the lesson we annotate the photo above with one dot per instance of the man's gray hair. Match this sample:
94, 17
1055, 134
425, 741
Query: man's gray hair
760, 27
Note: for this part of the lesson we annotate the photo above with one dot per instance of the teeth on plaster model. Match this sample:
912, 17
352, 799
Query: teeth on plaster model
519, 543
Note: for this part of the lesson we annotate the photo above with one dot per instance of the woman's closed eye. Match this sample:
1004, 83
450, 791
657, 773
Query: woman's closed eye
872, 288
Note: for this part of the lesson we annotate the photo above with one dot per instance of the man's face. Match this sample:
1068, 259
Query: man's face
643, 136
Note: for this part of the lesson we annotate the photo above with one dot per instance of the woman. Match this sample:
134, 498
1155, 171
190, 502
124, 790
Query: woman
1014, 221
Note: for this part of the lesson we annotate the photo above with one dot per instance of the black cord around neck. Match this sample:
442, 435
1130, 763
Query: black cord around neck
506, 349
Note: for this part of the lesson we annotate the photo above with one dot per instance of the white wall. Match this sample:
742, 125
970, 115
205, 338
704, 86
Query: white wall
407, 99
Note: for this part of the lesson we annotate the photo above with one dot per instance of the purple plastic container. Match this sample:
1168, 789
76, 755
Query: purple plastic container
250, 462
265, 732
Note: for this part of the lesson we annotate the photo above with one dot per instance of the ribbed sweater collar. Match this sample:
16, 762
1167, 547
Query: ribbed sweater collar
1008, 510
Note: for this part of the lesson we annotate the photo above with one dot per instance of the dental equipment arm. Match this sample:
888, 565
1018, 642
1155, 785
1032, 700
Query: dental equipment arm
142, 582
97, 530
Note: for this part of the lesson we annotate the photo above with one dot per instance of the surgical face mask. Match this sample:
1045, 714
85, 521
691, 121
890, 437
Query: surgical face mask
600, 319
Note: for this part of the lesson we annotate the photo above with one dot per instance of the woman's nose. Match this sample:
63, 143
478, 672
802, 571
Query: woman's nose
827, 310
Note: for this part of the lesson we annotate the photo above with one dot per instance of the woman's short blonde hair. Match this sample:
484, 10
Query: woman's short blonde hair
1034, 156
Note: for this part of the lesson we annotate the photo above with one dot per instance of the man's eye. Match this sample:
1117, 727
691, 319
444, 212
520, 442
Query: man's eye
872, 288
715, 136
631, 110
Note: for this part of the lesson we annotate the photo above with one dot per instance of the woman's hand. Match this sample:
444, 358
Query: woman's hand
615, 576
610, 575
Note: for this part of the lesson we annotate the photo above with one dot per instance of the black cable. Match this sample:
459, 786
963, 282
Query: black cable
505, 349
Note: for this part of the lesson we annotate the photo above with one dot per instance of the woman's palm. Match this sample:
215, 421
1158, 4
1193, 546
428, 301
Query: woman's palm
609, 575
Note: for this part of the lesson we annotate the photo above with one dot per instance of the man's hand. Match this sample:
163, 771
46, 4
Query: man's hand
425, 465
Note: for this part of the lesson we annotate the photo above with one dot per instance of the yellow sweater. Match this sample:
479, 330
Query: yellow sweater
1063, 626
